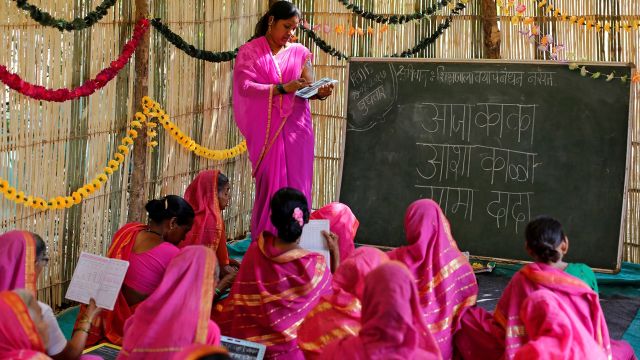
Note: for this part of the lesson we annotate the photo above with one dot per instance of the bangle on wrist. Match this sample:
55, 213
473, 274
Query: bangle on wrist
83, 330
280, 89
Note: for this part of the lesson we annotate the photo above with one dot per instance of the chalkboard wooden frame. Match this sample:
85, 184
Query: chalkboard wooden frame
632, 100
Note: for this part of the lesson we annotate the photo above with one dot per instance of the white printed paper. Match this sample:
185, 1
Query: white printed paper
97, 277
242, 349
312, 89
313, 240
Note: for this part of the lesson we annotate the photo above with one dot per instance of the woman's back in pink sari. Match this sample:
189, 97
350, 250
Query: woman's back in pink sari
392, 323
445, 279
176, 315
338, 314
272, 294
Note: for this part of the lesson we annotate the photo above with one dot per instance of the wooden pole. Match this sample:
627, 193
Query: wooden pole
137, 192
490, 29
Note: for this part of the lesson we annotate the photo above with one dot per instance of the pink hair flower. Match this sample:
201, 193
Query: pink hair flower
298, 216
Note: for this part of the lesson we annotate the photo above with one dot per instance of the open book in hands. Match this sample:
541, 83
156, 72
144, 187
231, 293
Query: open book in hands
312, 89
99, 278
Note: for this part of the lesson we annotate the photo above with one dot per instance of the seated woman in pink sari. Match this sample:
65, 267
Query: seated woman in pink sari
392, 323
23, 256
275, 122
278, 282
505, 333
176, 315
23, 332
445, 279
338, 315
342, 222
208, 194
149, 249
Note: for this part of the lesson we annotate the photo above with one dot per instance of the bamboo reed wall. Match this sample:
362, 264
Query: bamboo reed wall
50, 148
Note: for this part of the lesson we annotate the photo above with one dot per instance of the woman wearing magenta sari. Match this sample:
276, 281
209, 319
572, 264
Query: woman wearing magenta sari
276, 124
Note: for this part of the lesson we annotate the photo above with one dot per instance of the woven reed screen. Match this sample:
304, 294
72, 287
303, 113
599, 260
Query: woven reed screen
50, 149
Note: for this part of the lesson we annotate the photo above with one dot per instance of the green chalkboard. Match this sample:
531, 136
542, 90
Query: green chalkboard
495, 144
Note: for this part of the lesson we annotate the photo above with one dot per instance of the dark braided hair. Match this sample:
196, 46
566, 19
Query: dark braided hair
543, 235
283, 204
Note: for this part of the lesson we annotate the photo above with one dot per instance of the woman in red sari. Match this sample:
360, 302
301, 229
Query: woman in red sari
149, 249
338, 315
392, 323
278, 283
208, 194
275, 122
23, 332
505, 334
445, 279
176, 315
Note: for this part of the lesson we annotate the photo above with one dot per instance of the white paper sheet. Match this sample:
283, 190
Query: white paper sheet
97, 277
313, 240
312, 89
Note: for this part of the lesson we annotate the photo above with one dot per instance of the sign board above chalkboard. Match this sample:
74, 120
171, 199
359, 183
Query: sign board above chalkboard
495, 144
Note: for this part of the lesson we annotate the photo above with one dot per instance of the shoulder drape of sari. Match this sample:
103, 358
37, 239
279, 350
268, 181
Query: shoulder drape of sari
272, 294
392, 323
208, 224
176, 315
554, 332
108, 325
445, 279
19, 338
342, 222
338, 315
17, 261
581, 303
277, 127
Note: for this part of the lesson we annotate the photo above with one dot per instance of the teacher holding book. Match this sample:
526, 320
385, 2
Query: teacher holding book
275, 122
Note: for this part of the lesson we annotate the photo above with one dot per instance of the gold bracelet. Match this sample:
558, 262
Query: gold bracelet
80, 329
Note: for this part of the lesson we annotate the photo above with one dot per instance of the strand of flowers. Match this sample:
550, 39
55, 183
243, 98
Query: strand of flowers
555, 52
154, 111
397, 19
599, 26
46, 19
89, 87
82, 193
191, 50
421, 45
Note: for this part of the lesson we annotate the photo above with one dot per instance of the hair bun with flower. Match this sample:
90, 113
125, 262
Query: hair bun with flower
298, 216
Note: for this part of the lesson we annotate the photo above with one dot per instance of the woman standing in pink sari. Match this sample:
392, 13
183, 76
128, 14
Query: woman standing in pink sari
392, 323
176, 315
338, 315
275, 122
445, 279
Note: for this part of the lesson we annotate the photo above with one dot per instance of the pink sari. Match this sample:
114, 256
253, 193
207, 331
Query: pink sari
278, 128
342, 222
445, 279
504, 334
392, 323
272, 295
176, 315
554, 331
17, 261
338, 315
208, 224
19, 338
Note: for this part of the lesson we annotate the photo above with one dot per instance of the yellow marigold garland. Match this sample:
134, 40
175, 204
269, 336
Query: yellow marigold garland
76, 197
156, 114
516, 11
